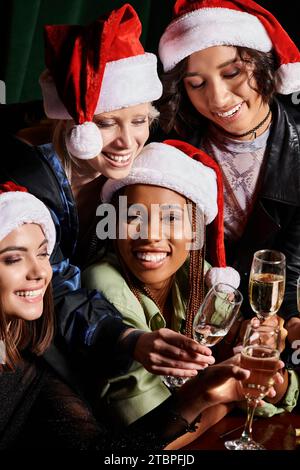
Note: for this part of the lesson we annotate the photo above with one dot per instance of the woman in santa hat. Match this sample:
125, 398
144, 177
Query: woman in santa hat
224, 61
154, 271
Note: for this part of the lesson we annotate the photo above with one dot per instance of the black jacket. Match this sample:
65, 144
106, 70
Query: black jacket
275, 219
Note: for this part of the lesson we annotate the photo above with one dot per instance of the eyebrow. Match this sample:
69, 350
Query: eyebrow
224, 64
21, 248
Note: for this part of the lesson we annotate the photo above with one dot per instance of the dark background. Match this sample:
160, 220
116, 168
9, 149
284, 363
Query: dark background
21, 32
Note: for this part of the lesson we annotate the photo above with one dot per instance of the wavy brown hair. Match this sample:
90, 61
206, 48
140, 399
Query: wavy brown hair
34, 336
177, 112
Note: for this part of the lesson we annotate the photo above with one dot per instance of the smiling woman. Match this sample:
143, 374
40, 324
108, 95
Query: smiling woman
26, 240
155, 274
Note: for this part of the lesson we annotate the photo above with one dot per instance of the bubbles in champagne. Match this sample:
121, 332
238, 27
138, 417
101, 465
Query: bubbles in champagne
209, 335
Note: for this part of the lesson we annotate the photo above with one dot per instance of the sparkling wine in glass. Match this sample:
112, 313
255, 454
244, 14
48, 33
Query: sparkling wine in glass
217, 313
267, 282
212, 322
260, 355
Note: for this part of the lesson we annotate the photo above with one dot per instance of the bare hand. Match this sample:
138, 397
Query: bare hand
165, 352
221, 383
278, 378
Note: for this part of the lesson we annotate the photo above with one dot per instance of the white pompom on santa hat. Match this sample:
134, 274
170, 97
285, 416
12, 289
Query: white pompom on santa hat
199, 179
95, 69
200, 24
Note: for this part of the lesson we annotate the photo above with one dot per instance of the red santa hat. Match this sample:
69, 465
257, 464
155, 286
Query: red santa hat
18, 207
198, 178
198, 25
94, 69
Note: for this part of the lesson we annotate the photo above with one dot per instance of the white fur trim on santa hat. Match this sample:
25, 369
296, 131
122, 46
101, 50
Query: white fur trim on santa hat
288, 78
126, 82
84, 141
207, 27
18, 208
164, 165
227, 275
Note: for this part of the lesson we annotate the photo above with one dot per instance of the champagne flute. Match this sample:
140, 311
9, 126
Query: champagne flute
267, 282
260, 355
212, 321
217, 313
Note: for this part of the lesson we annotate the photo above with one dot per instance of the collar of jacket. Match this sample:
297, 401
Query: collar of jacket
281, 179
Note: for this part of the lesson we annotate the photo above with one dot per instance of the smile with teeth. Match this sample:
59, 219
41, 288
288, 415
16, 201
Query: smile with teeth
231, 112
149, 256
29, 293
118, 158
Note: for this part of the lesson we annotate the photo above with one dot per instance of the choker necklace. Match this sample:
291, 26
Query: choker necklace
252, 131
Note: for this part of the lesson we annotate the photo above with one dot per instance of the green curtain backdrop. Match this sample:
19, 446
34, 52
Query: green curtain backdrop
21, 32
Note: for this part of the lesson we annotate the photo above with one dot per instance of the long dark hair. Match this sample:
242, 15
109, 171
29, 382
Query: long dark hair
33, 336
177, 112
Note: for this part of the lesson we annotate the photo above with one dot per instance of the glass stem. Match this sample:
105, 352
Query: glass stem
247, 433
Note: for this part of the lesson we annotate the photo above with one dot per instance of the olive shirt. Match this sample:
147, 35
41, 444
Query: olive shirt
128, 397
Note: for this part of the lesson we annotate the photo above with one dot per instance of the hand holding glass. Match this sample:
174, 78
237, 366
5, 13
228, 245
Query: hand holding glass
217, 313
267, 282
260, 355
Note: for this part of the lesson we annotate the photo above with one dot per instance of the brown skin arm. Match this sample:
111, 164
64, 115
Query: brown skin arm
209, 418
